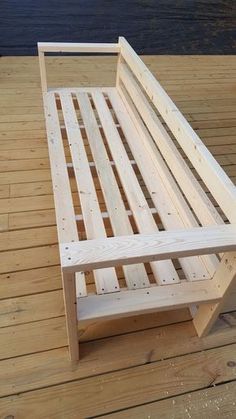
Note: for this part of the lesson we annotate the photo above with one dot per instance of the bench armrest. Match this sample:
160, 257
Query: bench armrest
141, 248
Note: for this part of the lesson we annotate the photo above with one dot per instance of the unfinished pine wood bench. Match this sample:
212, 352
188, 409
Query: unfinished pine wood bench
150, 231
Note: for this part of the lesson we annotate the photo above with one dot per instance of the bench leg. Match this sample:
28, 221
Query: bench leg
225, 280
69, 291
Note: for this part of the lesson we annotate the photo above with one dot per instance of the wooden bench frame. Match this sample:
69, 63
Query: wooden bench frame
195, 232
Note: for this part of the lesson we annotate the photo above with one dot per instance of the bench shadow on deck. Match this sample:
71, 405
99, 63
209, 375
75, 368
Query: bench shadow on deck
145, 366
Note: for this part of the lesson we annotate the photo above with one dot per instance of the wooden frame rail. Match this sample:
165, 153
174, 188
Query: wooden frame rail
65, 47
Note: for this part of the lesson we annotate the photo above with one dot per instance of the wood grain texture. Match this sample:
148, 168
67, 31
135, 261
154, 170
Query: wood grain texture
218, 401
115, 251
150, 345
34, 353
141, 384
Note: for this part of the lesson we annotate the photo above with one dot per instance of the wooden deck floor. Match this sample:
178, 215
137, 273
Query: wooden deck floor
145, 367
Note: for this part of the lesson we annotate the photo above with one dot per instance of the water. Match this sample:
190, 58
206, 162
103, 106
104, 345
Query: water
151, 26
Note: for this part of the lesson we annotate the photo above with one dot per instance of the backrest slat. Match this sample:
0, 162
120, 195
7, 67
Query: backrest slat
214, 177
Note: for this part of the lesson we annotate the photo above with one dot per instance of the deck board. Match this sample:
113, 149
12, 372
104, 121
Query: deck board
152, 354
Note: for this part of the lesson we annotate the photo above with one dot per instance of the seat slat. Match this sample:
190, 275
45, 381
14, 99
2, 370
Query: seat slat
65, 215
137, 137
135, 275
105, 279
164, 271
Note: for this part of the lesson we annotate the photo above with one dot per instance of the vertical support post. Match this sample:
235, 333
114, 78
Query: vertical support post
42, 69
69, 291
119, 60
224, 279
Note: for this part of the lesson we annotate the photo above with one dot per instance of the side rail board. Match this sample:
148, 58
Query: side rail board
126, 250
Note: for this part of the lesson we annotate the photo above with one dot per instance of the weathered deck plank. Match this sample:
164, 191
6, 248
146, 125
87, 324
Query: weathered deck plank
34, 366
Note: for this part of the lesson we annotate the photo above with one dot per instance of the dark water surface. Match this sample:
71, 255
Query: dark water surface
151, 26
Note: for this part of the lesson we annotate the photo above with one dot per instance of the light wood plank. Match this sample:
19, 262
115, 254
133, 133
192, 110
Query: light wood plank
197, 198
106, 280
115, 251
65, 215
172, 217
132, 302
135, 275
184, 213
164, 272
210, 171
61, 187
78, 47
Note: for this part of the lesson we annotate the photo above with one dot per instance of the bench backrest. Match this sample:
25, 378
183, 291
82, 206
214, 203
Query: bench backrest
148, 101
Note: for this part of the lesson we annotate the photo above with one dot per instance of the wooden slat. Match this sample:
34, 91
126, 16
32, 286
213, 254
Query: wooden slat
135, 275
210, 171
115, 251
132, 302
106, 280
171, 216
65, 216
197, 198
186, 217
78, 47
164, 272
